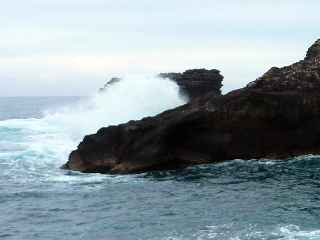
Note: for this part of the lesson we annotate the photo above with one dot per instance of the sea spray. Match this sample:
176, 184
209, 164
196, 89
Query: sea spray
36, 146
129, 99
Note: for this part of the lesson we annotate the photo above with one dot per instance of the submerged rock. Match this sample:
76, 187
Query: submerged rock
276, 116
197, 82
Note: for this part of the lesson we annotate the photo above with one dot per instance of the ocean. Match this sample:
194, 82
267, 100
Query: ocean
235, 200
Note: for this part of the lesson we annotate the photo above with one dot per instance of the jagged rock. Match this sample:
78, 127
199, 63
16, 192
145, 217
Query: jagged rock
277, 116
313, 51
301, 76
197, 82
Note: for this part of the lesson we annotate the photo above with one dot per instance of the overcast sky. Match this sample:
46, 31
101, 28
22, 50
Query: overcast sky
69, 47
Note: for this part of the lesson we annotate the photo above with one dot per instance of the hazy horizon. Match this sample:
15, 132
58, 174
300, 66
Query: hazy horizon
59, 48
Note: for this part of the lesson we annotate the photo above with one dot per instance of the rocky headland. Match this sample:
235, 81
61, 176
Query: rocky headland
276, 116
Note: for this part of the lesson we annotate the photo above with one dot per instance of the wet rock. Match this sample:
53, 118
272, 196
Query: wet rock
276, 116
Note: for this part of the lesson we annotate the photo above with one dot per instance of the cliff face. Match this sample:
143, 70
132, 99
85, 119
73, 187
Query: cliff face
197, 82
277, 116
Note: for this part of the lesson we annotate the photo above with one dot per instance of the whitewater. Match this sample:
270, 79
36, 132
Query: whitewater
47, 141
267, 199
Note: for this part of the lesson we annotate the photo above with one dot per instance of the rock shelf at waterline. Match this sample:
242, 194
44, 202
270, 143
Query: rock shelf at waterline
277, 115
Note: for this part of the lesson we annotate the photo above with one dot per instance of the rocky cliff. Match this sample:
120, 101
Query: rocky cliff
197, 82
276, 116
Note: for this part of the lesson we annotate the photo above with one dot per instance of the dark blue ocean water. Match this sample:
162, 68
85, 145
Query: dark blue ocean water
237, 200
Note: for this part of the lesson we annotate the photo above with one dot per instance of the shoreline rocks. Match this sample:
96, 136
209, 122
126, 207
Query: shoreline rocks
276, 116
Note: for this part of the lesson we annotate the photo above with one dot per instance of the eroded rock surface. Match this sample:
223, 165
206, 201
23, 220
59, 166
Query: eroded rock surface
276, 116
197, 82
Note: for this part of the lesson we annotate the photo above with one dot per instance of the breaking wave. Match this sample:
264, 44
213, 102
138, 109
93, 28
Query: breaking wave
40, 145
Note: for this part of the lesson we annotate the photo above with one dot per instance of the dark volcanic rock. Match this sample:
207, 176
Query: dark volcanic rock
197, 82
314, 50
276, 116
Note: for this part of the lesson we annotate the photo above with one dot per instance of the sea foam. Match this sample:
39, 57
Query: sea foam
38, 146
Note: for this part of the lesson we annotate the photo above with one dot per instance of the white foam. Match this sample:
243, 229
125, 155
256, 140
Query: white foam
232, 232
39, 145
293, 232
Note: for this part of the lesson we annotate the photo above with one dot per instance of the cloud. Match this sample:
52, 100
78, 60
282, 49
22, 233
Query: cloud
240, 63
74, 42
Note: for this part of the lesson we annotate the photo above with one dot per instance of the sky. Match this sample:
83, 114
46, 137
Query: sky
70, 47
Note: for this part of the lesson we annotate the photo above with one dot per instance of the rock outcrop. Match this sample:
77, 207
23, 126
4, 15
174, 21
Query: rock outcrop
313, 51
276, 116
197, 82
